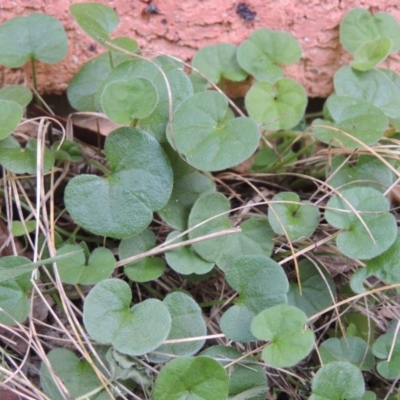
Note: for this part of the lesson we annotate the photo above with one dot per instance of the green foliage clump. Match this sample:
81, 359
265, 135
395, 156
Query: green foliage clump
195, 253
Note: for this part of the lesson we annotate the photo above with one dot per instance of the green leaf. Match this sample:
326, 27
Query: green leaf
146, 269
126, 367
189, 184
366, 171
34, 37
283, 326
371, 53
287, 213
352, 349
198, 82
97, 20
317, 292
76, 269
208, 206
185, 260
279, 106
23, 161
395, 80
78, 377
20, 228
360, 325
356, 240
122, 205
359, 27
207, 140
187, 322
375, 86
83, 86
133, 98
336, 381
179, 89
17, 270
14, 304
11, 114
200, 378
108, 318
125, 43
217, 61
357, 118
261, 283
256, 238
389, 369
67, 150
20, 94
261, 54
135, 68
386, 267
246, 376
235, 324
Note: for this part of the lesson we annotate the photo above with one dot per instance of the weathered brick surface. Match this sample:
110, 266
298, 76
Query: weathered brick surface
183, 26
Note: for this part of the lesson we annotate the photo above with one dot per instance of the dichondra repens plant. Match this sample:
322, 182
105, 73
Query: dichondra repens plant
170, 268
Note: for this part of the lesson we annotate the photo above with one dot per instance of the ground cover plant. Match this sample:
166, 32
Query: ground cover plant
206, 250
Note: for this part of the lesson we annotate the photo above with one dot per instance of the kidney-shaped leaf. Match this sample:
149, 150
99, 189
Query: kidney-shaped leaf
375, 86
20, 94
359, 27
207, 206
78, 376
255, 238
85, 83
283, 326
97, 20
279, 106
23, 161
287, 213
135, 68
179, 88
187, 322
368, 228
14, 303
206, 138
338, 380
247, 379
146, 269
200, 378
34, 37
11, 114
217, 61
76, 269
356, 117
261, 283
386, 266
389, 369
122, 205
261, 54
317, 292
367, 171
123, 101
352, 349
189, 184
133, 331
371, 54
185, 260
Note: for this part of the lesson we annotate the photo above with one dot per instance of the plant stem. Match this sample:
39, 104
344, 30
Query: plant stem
35, 86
